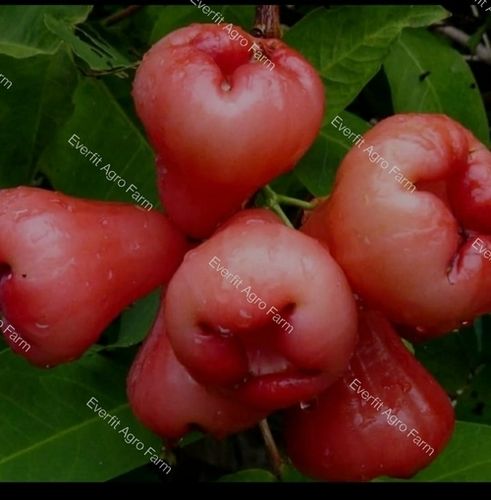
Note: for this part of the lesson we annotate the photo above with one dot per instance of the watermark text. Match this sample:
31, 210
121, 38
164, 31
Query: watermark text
392, 419
114, 422
5, 82
95, 159
373, 155
250, 295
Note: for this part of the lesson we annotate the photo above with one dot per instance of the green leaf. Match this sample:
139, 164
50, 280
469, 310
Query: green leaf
466, 458
249, 475
98, 54
50, 434
291, 475
173, 17
473, 404
23, 32
450, 358
137, 321
427, 75
347, 45
31, 110
101, 125
476, 38
317, 169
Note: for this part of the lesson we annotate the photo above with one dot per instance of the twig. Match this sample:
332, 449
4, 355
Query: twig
121, 14
485, 38
482, 52
272, 449
268, 21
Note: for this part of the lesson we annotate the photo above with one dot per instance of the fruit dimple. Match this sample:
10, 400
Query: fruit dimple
5, 273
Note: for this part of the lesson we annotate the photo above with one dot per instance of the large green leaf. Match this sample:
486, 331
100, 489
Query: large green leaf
427, 75
23, 32
50, 434
473, 404
317, 169
96, 52
347, 45
31, 110
137, 321
450, 358
102, 126
466, 458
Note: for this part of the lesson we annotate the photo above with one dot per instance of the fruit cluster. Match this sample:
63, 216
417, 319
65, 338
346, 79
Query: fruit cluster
256, 316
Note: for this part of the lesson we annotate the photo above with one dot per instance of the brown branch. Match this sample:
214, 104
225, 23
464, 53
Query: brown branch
121, 14
267, 23
483, 53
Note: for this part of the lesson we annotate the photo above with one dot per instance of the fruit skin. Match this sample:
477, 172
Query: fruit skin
343, 437
215, 147
75, 265
228, 340
409, 253
170, 402
470, 188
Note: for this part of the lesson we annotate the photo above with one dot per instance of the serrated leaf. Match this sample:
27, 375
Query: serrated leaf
103, 127
24, 34
50, 434
317, 169
347, 45
31, 110
426, 75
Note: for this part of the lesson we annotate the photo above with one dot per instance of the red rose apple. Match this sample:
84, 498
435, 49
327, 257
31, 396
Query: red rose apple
225, 113
262, 311
70, 266
387, 416
165, 397
407, 222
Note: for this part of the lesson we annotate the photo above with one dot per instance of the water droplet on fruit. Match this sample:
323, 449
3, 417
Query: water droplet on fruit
405, 386
358, 420
420, 329
223, 330
19, 214
305, 405
41, 326
110, 275
245, 314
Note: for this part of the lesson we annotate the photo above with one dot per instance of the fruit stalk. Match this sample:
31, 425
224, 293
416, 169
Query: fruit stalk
271, 448
268, 21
